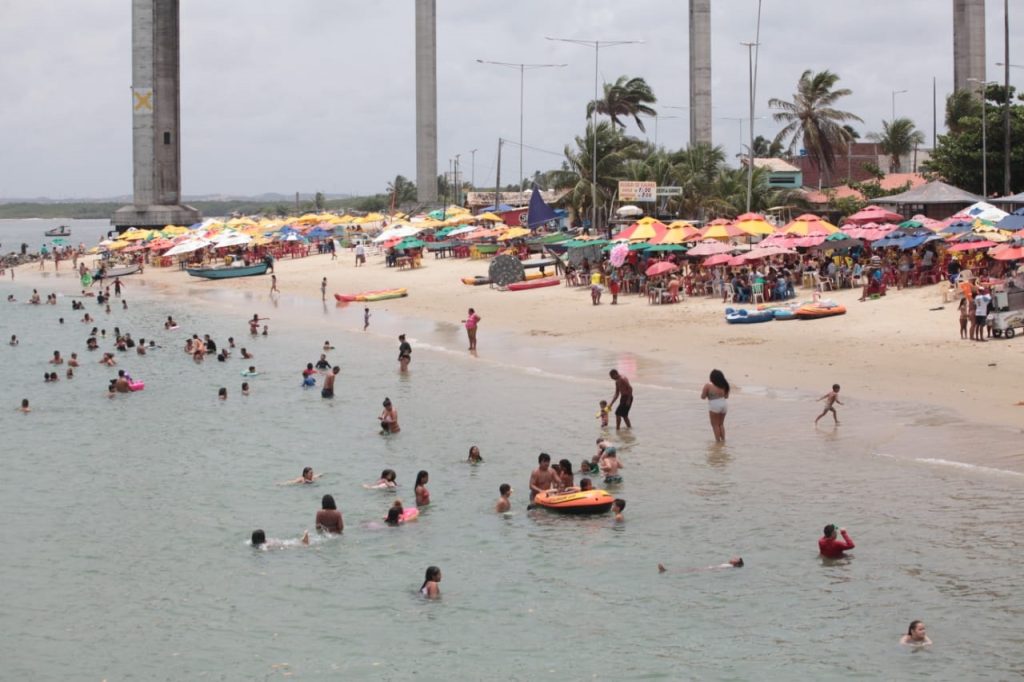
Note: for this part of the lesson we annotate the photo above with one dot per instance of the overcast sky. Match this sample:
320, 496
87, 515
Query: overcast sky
319, 95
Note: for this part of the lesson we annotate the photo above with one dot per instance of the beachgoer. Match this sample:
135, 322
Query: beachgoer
623, 390
246, 355
610, 465
543, 477
404, 353
832, 548
586, 484
323, 289
328, 389
420, 488
429, 588
595, 287
273, 284
24, 409
603, 413
56, 359
366, 318
394, 516
14, 340
260, 541
565, 475
322, 363
474, 455
245, 388
472, 321
73, 360
386, 480
735, 562
716, 392
916, 635
504, 503
121, 383
831, 398
169, 324
329, 519
618, 506
222, 394
307, 477
389, 418
981, 304
266, 330
328, 346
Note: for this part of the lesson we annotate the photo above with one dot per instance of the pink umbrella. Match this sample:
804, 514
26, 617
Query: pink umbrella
618, 255
718, 259
1007, 252
807, 242
759, 252
661, 268
873, 214
709, 249
970, 246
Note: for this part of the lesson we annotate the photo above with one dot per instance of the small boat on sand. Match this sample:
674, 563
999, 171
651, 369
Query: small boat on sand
229, 271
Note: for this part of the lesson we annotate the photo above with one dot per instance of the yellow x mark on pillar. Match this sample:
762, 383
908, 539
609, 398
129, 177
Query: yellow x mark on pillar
143, 99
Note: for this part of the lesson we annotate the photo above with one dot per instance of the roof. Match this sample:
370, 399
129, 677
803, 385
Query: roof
889, 182
1012, 199
776, 165
931, 193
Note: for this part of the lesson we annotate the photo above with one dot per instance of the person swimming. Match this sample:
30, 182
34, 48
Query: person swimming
259, 540
307, 477
916, 635
386, 480
394, 516
430, 587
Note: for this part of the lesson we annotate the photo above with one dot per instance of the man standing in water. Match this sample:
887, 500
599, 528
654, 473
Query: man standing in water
543, 477
328, 390
830, 546
404, 353
623, 390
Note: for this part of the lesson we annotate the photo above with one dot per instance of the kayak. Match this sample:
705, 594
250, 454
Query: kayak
534, 284
813, 311
379, 295
744, 316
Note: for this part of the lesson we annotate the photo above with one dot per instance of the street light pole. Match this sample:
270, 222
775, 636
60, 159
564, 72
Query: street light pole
894, 93
750, 147
522, 70
597, 45
984, 128
472, 177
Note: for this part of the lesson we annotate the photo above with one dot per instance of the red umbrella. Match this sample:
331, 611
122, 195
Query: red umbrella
970, 246
874, 214
661, 268
1008, 253
709, 249
718, 259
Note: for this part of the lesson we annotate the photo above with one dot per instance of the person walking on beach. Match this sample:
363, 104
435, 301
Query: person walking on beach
360, 254
404, 353
366, 318
472, 321
716, 392
830, 546
117, 287
624, 394
831, 398
323, 289
273, 284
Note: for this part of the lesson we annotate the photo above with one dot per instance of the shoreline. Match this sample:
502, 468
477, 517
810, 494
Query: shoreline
893, 349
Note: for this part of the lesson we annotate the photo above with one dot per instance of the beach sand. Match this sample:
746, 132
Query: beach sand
896, 348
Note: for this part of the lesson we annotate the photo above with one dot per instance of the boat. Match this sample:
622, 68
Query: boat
744, 316
534, 284
229, 271
62, 231
575, 501
118, 271
367, 296
819, 309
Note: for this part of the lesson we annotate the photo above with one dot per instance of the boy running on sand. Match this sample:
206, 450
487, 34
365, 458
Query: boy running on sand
831, 398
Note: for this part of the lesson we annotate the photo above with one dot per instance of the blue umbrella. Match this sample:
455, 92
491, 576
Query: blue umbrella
1014, 221
317, 233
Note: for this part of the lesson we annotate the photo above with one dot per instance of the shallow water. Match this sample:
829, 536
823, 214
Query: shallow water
126, 521
13, 233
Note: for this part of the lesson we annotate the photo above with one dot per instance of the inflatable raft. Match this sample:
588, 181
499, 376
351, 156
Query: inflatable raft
743, 316
575, 501
379, 295
534, 284
813, 311
783, 313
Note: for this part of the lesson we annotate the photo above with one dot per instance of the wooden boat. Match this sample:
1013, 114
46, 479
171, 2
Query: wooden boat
118, 271
62, 231
229, 271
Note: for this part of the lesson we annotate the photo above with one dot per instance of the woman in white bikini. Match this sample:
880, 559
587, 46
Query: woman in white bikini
716, 392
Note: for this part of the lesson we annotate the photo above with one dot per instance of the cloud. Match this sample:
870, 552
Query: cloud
308, 95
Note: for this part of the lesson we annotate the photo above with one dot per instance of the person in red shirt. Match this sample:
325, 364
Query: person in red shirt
831, 547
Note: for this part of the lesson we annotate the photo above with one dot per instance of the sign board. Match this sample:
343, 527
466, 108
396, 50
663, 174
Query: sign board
631, 190
669, 191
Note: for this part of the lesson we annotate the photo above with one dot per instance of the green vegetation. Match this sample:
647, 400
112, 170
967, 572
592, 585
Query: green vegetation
898, 138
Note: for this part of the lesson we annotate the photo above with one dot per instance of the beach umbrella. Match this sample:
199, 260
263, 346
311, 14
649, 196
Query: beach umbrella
873, 214
665, 247
710, 249
809, 224
408, 243
514, 233
226, 239
642, 230
678, 232
489, 217
159, 243
721, 229
618, 254
318, 233
661, 268
971, 246
505, 270
1013, 222
1007, 252
753, 223
187, 246
759, 252
718, 259
136, 246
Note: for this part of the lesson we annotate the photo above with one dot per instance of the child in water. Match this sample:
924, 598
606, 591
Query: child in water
603, 414
617, 506
504, 504
394, 516
831, 398
610, 466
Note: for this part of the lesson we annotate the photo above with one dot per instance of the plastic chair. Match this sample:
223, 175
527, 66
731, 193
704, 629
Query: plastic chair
821, 283
730, 295
757, 292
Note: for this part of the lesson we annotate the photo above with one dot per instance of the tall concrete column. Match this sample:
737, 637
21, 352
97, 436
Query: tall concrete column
700, 72
426, 101
156, 147
968, 43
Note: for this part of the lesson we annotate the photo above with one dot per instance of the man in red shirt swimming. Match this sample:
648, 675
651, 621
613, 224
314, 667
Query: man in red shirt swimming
831, 547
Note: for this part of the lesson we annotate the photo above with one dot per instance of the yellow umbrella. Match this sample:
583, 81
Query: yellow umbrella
463, 219
809, 224
373, 217
679, 232
753, 223
240, 222
136, 235
260, 241
489, 216
514, 233
118, 245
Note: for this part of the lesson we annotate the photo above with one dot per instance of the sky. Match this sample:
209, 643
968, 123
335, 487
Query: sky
317, 95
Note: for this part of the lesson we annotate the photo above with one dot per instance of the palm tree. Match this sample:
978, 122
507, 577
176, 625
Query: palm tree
626, 97
898, 139
812, 120
401, 190
695, 169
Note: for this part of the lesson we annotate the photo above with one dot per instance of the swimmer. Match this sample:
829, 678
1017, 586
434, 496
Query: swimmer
504, 504
322, 363
222, 394
389, 418
328, 390
260, 541
610, 466
328, 346
24, 409
618, 506
366, 318
420, 488
394, 516
430, 588
474, 455
54, 377
386, 480
735, 562
246, 355
251, 372
308, 381
141, 348
70, 373
586, 484
586, 468
14, 340
245, 388
108, 360
831, 398
121, 384
231, 342
916, 635
266, 330
307, 477
565, 474
543, 477
832, 548
328, 519
56, 359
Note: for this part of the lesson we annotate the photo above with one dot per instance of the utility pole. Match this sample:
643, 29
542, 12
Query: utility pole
497, 181
1006, 105
472, 179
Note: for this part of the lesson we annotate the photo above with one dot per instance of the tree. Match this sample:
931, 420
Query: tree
401, 191
626, 97
763, 149
812, 119
897, 139
960, 105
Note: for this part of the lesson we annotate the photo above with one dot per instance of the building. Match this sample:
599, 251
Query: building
781, 174
862, 162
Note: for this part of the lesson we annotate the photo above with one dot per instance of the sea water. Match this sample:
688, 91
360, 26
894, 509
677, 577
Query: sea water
126, 522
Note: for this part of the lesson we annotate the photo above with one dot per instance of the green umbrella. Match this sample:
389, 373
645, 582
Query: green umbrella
667, 247
911, 223
586, 242
411, 244
836, 236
